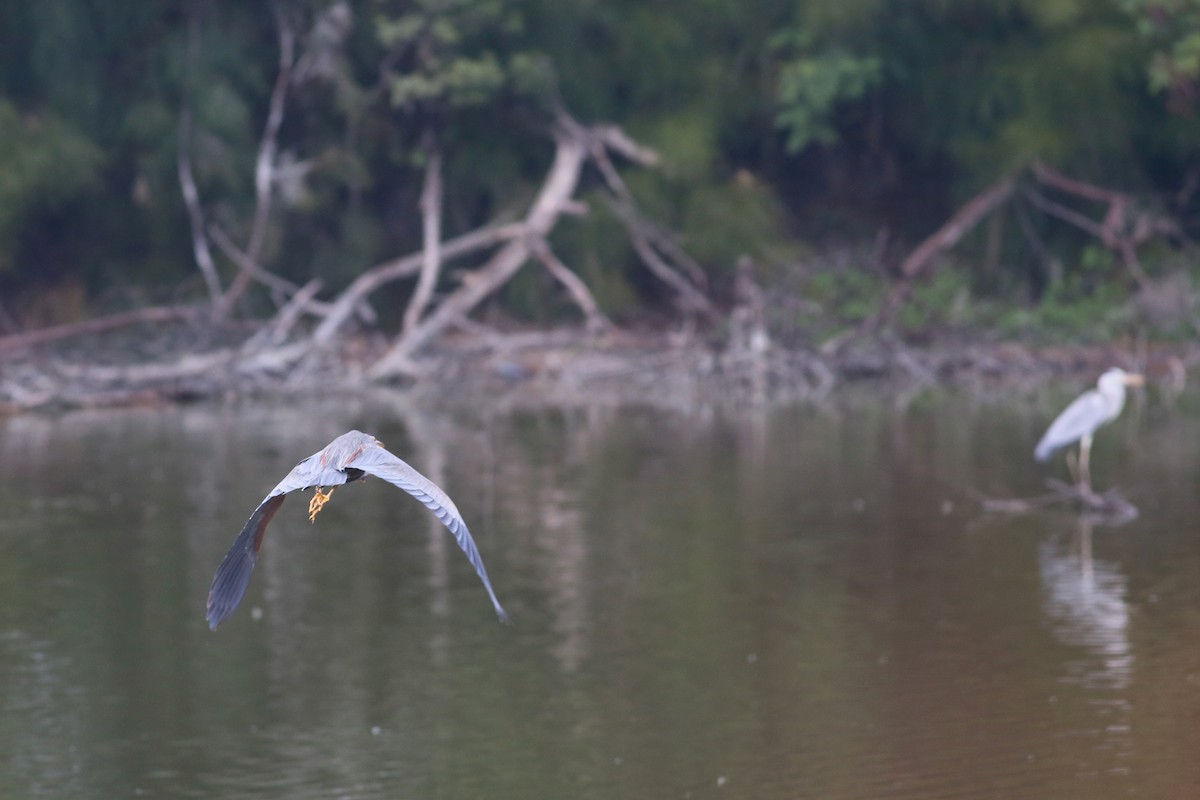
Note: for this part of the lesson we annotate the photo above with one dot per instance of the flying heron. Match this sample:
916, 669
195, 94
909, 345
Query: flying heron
348, 458
1079, 421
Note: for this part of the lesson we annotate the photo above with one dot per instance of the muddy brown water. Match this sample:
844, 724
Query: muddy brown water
800, 602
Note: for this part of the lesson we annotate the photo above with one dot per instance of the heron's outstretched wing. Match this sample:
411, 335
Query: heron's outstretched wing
377, 461
1085, 414
233, 576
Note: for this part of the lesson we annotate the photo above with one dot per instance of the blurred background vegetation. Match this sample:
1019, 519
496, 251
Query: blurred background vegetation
822, 139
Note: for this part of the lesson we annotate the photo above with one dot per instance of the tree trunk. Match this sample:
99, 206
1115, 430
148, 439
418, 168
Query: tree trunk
431, 261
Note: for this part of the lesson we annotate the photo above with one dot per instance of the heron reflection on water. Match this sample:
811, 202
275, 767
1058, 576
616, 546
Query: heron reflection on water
348, 458
1078, 421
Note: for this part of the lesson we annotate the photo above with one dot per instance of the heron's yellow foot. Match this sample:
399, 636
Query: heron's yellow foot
319, 499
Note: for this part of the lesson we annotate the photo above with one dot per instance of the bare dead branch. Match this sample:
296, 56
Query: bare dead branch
691, 297
608, 171
144, 374
249, 266
618, 141
596, 320
951, 233
643, 238
557, 189
958, 226
237, 359
264, 165
1110, 506
1116, 232
1068, 215
600, 142
277, 332
381, 274
201, 250
1051, 264
666, 244
431, 256
155, 314
1052, 177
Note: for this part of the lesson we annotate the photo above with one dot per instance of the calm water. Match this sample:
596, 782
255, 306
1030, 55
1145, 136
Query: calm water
795, 603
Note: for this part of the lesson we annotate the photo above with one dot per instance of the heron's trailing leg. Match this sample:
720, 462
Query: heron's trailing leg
319, 499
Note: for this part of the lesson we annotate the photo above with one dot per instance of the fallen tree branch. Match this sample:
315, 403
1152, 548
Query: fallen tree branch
136, 375
381, 274
241, 360
951, 233
1117, 231
595, 318
556, 192
1049, 176
277, 331
1068, 215
249, 266
643, 240
155, 314
1110, 504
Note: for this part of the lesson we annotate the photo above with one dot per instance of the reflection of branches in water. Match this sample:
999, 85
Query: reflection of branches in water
550, 511
537, 501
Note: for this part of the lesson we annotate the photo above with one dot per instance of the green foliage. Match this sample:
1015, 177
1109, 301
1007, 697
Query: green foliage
446, 53
851, 295
821, 295
1098, 317
688, 141
813, 84
779, 125
44, 164
722, 222
1172, 27
944, 300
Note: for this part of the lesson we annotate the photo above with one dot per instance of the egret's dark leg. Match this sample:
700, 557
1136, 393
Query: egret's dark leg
1085, 470
1073, 466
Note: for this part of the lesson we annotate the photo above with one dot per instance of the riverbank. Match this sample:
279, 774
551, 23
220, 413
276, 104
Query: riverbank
179, 363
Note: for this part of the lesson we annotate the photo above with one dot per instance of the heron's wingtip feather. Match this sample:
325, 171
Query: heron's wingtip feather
229, 584
233, 576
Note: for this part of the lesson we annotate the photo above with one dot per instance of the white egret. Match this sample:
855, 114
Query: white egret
1079, 420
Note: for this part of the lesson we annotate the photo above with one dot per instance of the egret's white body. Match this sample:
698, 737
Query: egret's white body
1079, 421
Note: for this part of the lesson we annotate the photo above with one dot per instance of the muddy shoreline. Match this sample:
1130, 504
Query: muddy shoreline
180, 365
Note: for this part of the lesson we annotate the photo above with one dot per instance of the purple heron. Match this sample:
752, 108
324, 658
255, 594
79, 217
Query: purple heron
348, 458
